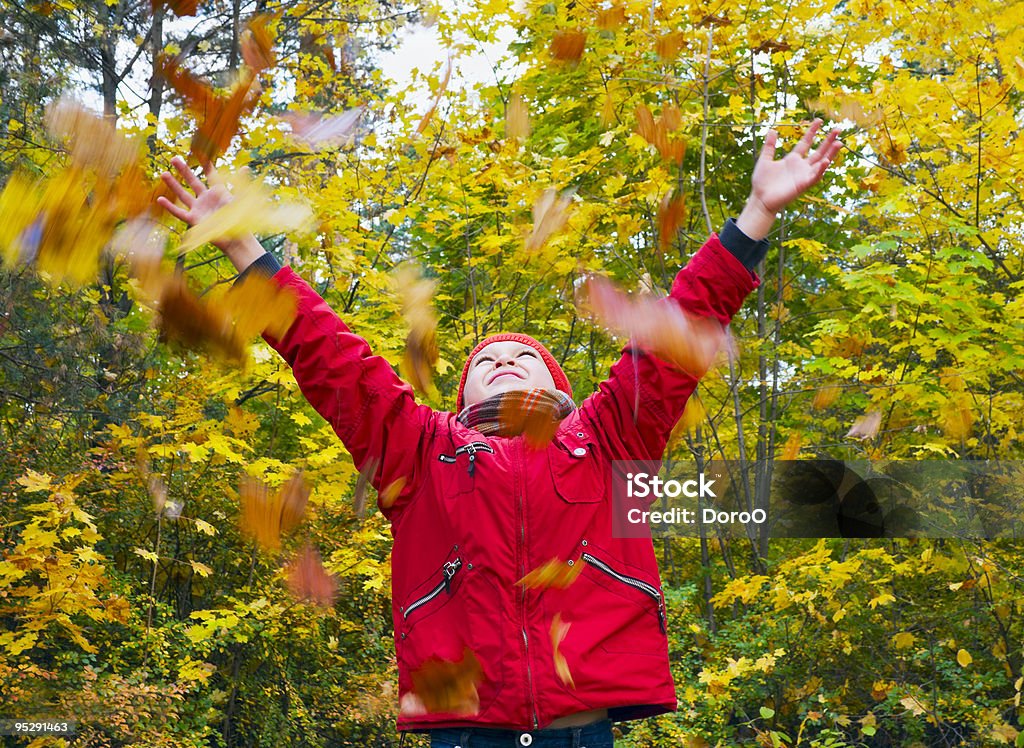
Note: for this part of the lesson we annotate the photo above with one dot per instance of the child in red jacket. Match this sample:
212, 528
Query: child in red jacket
473, 509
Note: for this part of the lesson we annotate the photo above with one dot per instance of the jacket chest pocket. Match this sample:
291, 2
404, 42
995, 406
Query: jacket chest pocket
577, 470
459, 467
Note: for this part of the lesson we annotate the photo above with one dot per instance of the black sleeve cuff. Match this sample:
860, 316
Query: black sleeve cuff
742, 247
266, 264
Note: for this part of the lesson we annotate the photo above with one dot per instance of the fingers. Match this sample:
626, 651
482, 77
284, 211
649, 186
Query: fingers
188, 175
827, 149
175, 210
768, 149
805, 142
180, 193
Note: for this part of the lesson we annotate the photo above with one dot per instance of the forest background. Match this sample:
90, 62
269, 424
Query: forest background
130, 599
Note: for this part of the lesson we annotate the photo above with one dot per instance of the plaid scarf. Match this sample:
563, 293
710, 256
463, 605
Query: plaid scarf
534, 413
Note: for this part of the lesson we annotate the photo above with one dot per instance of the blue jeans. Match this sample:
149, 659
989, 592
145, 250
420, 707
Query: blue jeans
594, 735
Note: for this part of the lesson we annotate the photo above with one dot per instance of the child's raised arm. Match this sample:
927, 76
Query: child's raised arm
643, 397
370, 408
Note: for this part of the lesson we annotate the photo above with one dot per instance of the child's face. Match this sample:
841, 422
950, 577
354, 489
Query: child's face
502, 367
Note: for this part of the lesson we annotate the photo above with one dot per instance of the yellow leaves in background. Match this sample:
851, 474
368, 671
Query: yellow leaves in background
847, 108
437, 98
658, 326
421, 351
551, 211
963, 658
444, 686
555, 573
308, 580
265, 518
657, 131
559, 630
903, 640
568, 45
668, 45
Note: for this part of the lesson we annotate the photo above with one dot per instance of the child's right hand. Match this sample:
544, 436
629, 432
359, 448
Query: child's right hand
200, 204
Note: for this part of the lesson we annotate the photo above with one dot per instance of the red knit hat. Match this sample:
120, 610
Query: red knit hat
561, 381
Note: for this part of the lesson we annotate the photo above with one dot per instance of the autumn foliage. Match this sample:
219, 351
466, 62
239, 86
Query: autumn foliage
169, 577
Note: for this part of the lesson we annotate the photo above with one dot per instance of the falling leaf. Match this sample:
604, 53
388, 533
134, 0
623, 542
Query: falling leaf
792, 448
366, 474
550, 213
437, 98
158, 493
265, 517
567, 46
671, 214
558, 634
529, 413
181, 8
963, 658
668, 45
188, 321
257, 42
391, 492
694, 413
294, 497
308, 580
657, 325
320, 132
257, 304
866, 426
555, 573
658, 131
956, 416
92, 140
913, 705
609, 19
450, 687
251, 210
824, 397
517, 118
421, 351
219, 116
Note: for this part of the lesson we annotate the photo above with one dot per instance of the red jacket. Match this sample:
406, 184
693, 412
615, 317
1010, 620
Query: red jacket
478, 513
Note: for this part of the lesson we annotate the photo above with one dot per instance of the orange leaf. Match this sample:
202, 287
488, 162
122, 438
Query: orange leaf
671, 214
558, 633
444, 686
257, 304
567, 46
391, 492
308, 580
294, 497
668, 45
792, 448
657, 325
187, 320
555, 573
265, 517
611, 18
180, 7
257, 42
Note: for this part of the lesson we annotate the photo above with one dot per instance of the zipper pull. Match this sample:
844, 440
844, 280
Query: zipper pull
449, 570
661, 613
471, 448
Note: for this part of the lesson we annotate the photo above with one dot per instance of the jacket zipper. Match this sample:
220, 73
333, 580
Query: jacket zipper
472, 448
526, 642
445, 585
633, 582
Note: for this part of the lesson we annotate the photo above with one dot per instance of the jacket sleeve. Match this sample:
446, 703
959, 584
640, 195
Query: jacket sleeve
370, 408
635, 409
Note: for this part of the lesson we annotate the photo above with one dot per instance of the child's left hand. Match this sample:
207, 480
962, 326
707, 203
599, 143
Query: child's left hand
775, 184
